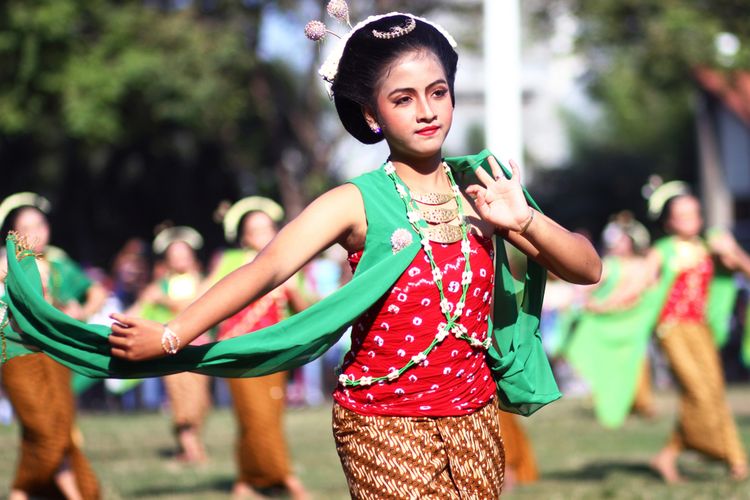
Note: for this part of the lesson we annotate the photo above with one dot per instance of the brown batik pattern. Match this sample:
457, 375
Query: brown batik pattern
421, 457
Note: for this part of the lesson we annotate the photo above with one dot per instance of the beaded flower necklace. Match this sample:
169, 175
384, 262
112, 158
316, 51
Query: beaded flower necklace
452, 314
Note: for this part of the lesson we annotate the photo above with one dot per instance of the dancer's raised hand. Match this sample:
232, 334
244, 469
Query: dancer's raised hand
501, 200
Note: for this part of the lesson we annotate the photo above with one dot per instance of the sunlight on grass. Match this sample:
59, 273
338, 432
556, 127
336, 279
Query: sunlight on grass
577, 458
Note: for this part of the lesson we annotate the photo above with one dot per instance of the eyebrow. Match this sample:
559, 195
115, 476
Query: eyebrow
406, 89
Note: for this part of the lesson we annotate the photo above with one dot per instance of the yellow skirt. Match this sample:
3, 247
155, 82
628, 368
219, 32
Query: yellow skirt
705, 421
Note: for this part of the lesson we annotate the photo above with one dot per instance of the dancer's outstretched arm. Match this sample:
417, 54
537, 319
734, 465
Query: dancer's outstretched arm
337, 216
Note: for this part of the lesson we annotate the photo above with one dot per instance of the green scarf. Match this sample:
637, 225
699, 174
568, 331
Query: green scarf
608, 349
517, 360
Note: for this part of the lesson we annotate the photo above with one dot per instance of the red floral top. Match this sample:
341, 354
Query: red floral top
455, 379
266, 311
686, 301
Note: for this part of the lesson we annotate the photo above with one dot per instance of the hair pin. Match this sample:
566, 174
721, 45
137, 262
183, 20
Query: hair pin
396, 31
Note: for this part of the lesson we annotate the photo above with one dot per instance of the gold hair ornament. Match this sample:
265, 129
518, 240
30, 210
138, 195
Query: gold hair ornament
235, 213
396, 31
316, 31
169, 235
659, 194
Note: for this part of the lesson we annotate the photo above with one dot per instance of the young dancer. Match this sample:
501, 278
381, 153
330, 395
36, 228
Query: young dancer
259, 402
683, 260
50, 462
189, 393
416, 409
676, 275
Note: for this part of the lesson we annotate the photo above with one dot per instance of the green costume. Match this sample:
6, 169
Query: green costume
517, 360
609, 349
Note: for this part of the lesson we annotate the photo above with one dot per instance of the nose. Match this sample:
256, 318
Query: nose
424, 111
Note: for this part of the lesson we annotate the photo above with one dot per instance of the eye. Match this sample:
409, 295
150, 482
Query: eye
441, 92
402, 100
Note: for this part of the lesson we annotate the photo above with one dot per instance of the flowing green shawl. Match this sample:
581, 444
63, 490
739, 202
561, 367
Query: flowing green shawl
608, 349
519, 365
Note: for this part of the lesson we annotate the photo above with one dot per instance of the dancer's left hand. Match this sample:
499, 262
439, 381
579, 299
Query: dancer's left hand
501, 200
135, 339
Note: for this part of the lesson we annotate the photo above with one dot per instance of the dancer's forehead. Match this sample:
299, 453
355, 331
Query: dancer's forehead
416, 70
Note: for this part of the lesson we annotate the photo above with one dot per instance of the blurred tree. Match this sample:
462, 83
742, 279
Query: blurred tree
640, 56
128, 113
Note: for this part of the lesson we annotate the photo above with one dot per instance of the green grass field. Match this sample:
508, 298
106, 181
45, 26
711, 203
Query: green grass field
577, 458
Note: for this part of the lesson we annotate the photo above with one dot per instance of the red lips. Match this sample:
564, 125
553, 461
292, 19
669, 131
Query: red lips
427, 131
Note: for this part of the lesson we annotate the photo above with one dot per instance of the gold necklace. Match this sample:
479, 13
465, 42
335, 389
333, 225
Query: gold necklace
444, 233
439, 215
432, 198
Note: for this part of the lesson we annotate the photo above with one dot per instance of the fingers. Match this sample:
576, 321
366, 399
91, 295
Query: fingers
496, 170
498, 173
119, 353
515, 170
118, 329
120, 342
123, 320
475, 190
484, 177
479, 194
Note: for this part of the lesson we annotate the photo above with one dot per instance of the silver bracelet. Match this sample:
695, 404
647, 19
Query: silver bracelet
170, 342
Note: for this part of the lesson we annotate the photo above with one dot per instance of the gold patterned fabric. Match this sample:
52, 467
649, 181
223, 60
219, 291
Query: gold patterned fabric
261, 448
189, 399
388, 457
39, 390
705, 420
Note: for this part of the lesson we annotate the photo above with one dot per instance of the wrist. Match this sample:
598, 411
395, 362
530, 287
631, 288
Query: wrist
170, 341
527, 222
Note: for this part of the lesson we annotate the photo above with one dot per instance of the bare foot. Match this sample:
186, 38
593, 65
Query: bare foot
18, 495
665, 464
739, 472
243, 491
295, 488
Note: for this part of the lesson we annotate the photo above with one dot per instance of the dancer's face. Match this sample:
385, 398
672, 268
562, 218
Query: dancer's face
685, 219
413, 106
258, 229
32, 224
623, 246
180, 257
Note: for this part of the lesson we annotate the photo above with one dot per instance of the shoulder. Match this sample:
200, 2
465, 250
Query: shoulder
342, 202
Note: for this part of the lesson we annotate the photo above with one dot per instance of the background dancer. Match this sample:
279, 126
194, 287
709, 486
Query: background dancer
50, 461
189, 393
680, 268
610, 348
259, 402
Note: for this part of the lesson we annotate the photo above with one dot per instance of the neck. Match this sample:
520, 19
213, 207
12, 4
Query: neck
424, 175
